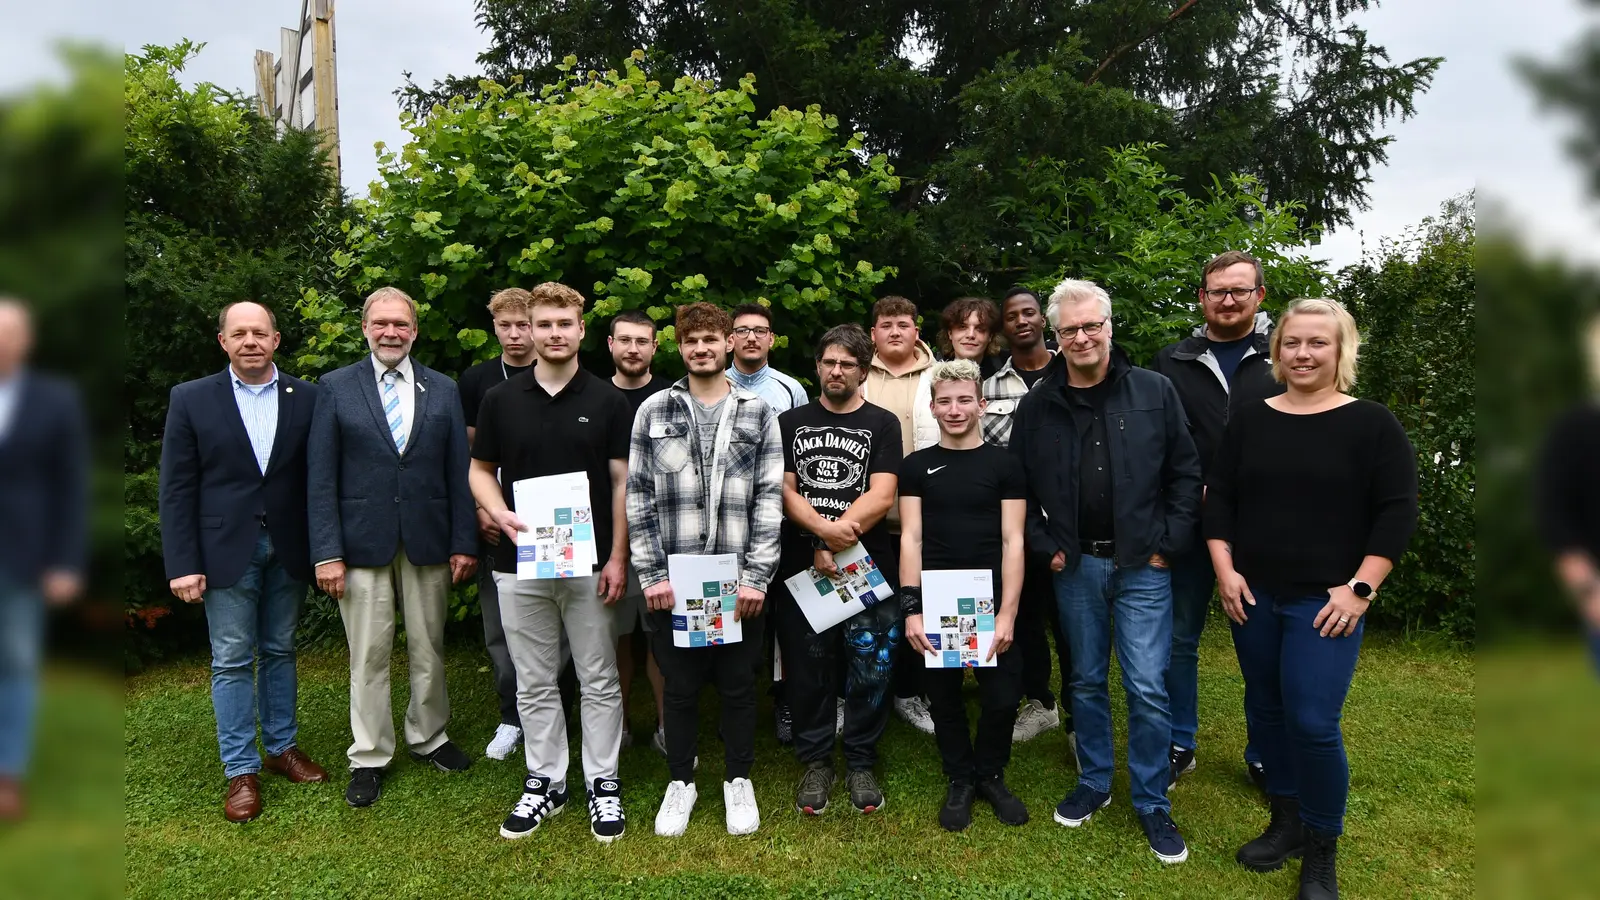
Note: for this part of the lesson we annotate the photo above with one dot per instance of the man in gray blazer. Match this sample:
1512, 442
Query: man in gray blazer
391, 518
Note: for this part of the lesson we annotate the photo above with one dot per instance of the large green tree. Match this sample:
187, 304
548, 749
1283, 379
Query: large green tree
971, 100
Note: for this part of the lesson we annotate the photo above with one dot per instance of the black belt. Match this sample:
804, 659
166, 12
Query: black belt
1101, 549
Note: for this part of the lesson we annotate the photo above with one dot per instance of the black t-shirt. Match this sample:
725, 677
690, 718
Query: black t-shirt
476, 381
1095, 519
1569, 482
1030, 377
637, 396
961, 492
833, 457
531, 434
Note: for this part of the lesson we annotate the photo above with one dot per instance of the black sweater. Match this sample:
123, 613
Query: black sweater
1569, 483
1303, 498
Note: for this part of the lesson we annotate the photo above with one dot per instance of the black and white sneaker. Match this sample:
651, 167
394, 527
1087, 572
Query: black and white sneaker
606, 821
537, 803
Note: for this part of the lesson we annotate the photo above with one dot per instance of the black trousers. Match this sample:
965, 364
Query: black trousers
999, 692
866, 644
731, 669
908, 667
1038, 621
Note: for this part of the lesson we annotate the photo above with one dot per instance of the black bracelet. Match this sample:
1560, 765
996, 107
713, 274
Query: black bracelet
911, 600
818, 543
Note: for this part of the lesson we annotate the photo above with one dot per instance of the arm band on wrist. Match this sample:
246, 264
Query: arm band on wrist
911, 600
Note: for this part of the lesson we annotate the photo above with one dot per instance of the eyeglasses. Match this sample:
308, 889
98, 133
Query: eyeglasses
641, 343
1237, 294
757, 330
844, 365
1088, 328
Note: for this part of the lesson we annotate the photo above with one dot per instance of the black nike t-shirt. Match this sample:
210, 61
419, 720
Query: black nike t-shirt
961, 492
833, 457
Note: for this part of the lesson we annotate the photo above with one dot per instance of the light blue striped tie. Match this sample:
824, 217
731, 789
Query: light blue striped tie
391, 410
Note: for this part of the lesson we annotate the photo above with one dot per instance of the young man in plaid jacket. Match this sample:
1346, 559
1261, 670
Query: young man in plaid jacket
705, 476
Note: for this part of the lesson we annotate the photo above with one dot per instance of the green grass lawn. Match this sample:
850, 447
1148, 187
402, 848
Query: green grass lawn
1409, 726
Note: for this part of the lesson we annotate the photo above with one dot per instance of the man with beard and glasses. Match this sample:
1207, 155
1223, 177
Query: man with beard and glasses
391, 521
1032, 348
705, 476
633, 348
558, 419
841, 455
513, 328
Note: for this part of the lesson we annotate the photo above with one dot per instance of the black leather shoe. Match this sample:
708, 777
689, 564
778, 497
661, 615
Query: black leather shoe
446, 758
366, 786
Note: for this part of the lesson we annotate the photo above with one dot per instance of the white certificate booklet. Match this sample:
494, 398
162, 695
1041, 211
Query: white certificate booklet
828, 600
559, 542
704, 590
958, 615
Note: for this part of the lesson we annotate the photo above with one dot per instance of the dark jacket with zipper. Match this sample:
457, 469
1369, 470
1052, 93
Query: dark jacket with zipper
1155, 496
1193, 371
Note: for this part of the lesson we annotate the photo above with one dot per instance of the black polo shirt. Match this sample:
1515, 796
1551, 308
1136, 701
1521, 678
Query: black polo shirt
530, 434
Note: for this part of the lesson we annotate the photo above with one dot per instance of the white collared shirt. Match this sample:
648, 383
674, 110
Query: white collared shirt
406, 385
258, 407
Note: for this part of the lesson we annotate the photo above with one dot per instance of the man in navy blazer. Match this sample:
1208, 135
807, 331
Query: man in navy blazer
391, 519
233, 535
44, 501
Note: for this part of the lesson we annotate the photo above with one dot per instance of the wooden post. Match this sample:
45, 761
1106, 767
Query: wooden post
324, 81
266, 86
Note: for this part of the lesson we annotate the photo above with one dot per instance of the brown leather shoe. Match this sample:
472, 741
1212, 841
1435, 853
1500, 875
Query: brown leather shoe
13, 804
296, 766
244, 798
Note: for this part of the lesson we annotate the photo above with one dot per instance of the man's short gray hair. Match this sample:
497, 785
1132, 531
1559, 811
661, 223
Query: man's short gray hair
389, 292
1074, 290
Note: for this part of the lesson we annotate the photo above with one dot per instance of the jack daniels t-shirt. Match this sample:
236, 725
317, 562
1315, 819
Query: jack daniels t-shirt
833, 457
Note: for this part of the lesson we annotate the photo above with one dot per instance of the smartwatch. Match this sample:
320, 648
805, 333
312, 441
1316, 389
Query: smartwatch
1362, 589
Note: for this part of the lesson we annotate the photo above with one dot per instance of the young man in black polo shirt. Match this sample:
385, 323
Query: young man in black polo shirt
513, 328
963, 504
554, 420
633, 347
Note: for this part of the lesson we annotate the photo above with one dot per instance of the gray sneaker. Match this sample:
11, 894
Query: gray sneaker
815, 786
865, 795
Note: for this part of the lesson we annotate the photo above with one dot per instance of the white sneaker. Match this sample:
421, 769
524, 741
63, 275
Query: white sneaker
506, 739
627, 738
739, 795
673, 817
1034, 719
915, 711
838, 722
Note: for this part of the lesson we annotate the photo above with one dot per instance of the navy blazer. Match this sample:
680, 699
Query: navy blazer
366, 498
213, 493
44, 482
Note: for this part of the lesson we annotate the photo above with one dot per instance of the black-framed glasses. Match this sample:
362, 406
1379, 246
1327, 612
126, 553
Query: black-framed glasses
844, 365
1088, 328
747, 330
1238, 295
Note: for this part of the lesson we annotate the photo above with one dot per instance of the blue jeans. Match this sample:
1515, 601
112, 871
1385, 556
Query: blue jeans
21, 646
1295, 684
1193, 589
253, 621
1138, 602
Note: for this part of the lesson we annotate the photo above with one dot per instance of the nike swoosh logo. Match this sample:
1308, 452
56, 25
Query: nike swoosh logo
931, 471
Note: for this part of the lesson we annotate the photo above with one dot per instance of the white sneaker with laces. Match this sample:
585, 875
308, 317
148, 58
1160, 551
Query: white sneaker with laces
506, 738
739, 795
673, 816
1034, 719
915, 711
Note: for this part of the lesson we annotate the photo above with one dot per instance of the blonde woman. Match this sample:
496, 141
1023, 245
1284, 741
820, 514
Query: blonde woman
1569, 489
1309, 503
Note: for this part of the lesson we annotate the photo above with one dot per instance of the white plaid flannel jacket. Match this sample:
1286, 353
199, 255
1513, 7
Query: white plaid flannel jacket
1004, 390
741, 511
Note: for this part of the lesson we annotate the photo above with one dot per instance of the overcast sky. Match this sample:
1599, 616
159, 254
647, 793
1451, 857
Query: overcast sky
1476, 126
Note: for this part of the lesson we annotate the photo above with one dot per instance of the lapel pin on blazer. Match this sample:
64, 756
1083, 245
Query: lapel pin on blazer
288, 390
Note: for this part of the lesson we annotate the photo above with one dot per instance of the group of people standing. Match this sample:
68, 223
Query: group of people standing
1108, 502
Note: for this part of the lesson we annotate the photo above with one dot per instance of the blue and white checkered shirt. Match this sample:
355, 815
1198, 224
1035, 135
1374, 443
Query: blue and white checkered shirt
258, 407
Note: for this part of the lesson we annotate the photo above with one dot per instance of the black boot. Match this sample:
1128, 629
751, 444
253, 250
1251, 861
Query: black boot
1318, 880
1281, 841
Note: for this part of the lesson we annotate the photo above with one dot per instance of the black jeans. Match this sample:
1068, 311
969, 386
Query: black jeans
867, 644
1037, 622
999, 692
731, 668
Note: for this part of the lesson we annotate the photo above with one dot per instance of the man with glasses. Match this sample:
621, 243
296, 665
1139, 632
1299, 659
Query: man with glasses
1113, 491
1215, 370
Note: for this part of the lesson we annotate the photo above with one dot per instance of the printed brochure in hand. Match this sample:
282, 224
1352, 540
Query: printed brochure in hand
559, 542
827, 601
958, 615
704, 591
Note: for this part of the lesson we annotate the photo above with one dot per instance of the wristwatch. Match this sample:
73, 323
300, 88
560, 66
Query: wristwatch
1362, 589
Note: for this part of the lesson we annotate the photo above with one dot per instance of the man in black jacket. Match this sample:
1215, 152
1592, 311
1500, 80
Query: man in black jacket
1113, 490
1220, 367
